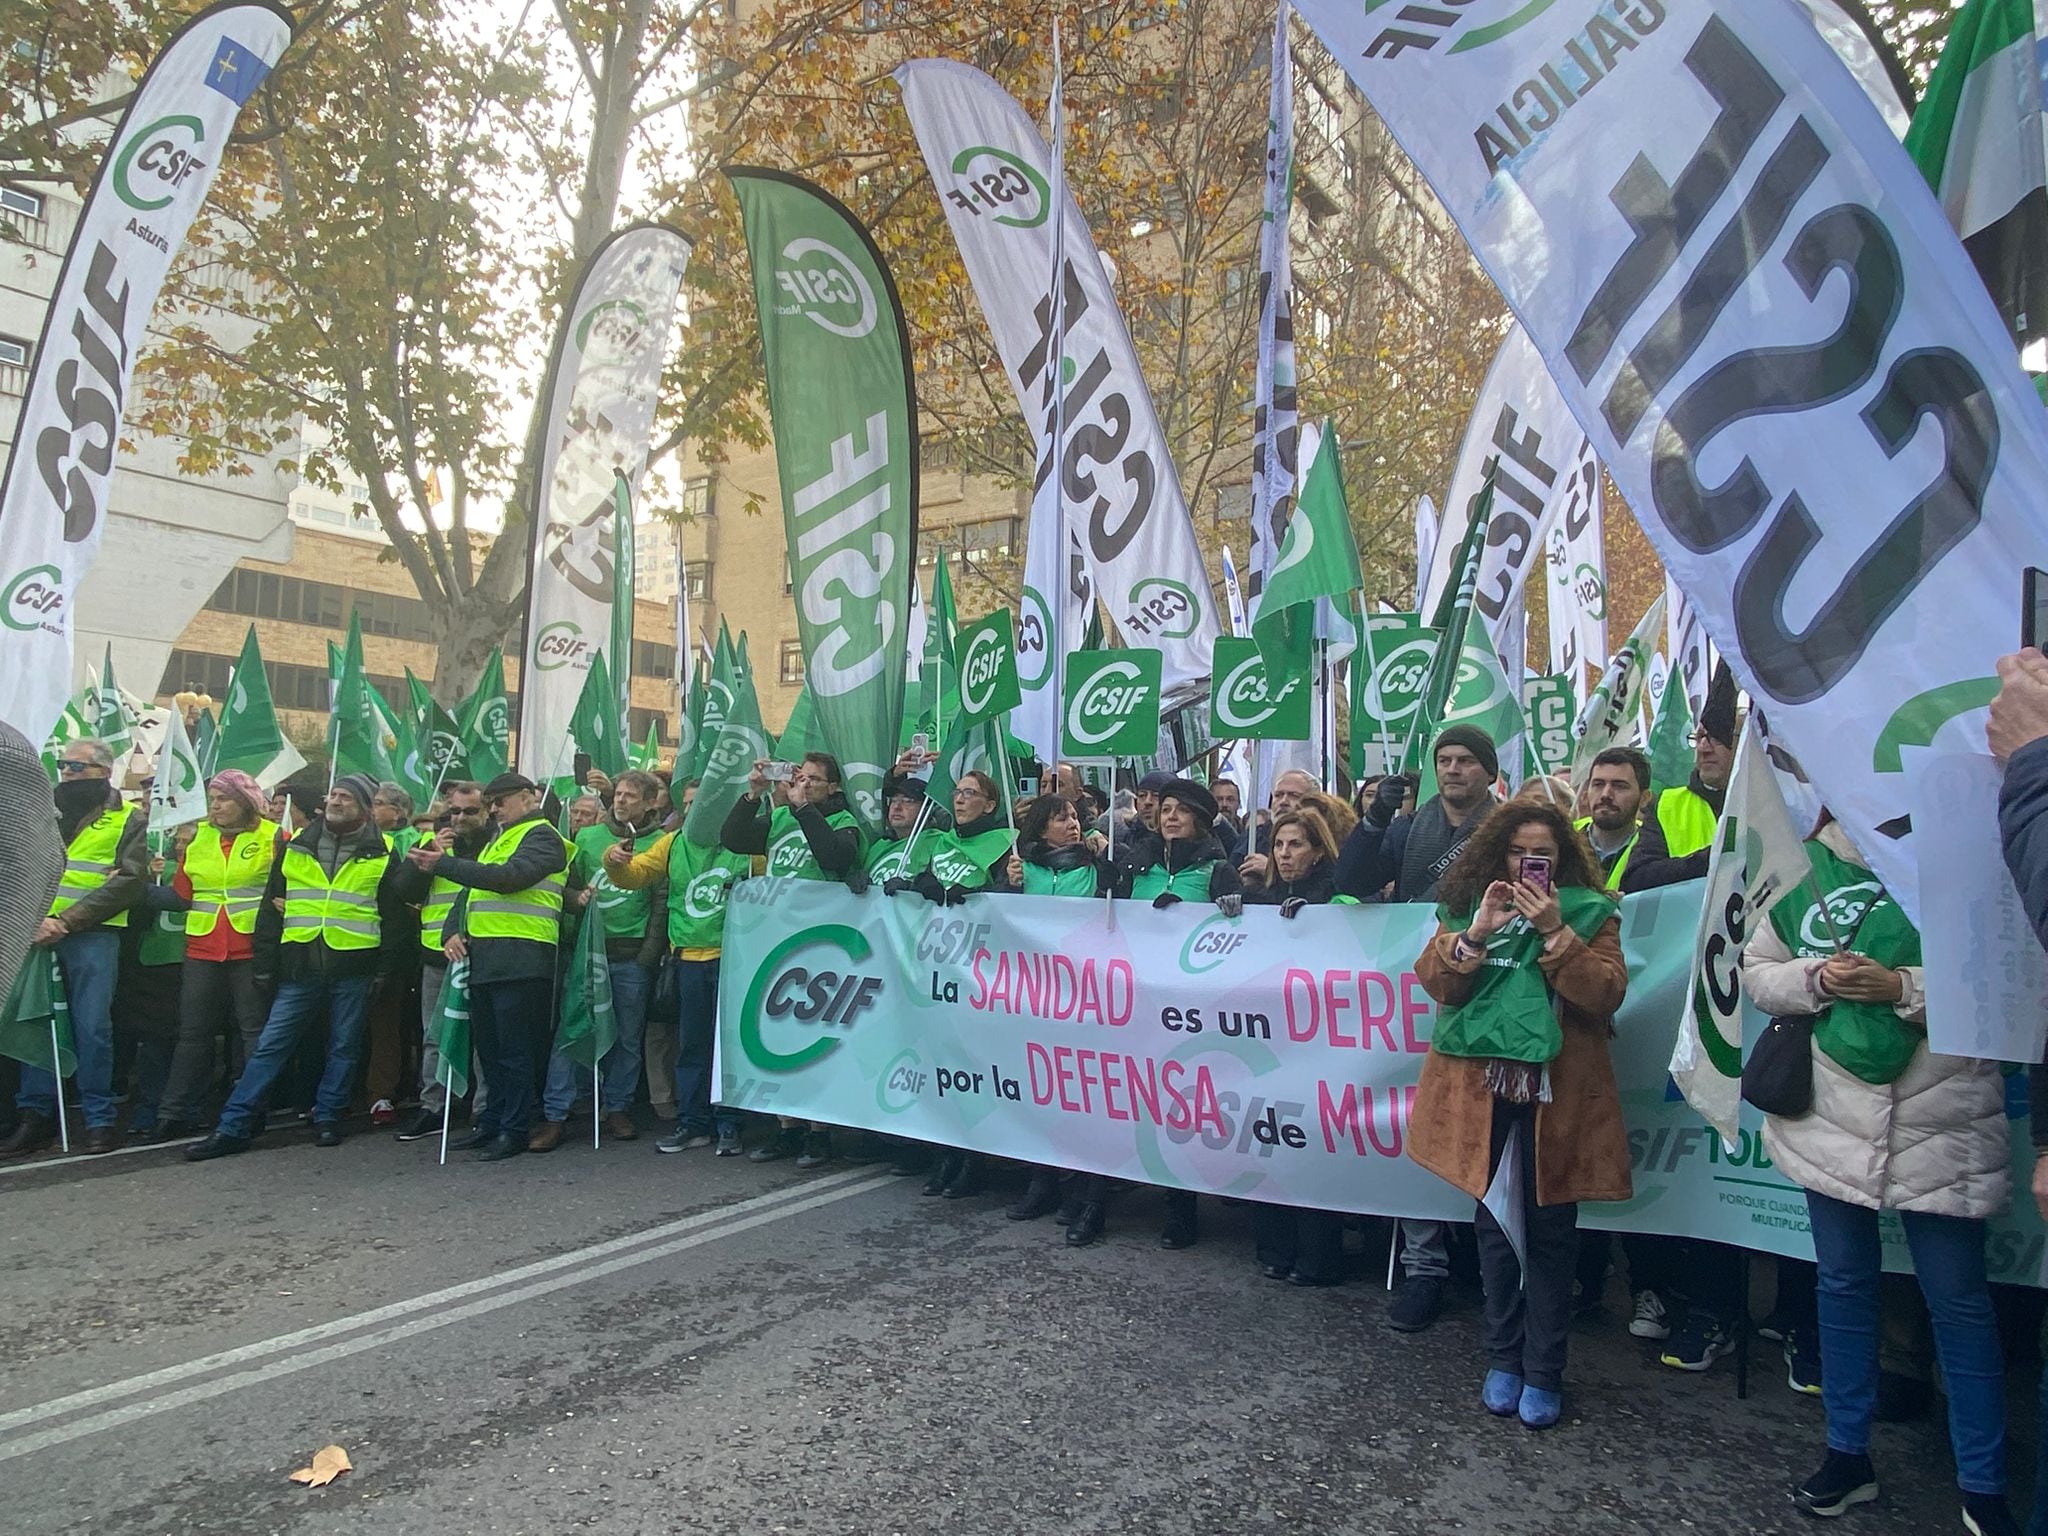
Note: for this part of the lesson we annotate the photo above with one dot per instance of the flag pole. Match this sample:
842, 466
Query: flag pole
447, 1101
57, 1075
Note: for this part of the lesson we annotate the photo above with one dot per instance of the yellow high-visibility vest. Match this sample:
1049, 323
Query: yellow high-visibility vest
534, 913
90, 859
228, 881
343, 911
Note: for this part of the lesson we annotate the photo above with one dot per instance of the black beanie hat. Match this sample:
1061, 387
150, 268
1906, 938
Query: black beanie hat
1473, 740
1717, 714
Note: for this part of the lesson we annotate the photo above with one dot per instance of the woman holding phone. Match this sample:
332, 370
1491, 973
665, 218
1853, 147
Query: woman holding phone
1527, 970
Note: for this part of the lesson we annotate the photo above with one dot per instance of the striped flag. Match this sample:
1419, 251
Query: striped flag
1978, 139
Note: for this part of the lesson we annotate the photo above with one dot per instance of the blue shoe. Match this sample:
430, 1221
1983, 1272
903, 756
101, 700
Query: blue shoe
1501, 1393
1540, 1409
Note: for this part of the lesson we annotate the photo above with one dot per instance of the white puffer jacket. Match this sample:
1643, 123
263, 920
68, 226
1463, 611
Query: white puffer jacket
1934, 1141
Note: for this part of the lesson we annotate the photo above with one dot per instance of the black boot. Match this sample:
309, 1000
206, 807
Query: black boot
32, 1133
1182, 1228
1042, 1194
1086, 1225
944, 1171
967, 1181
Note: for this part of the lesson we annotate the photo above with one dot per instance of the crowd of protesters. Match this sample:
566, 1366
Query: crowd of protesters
287, 957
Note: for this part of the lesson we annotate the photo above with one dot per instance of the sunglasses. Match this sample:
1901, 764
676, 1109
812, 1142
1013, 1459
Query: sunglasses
69, 766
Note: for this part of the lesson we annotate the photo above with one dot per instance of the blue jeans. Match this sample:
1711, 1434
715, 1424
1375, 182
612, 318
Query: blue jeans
696, 1023
91, 962
298, 1004
1948, 1261
631, 983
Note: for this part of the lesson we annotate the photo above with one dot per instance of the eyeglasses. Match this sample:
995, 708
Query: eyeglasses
71, 765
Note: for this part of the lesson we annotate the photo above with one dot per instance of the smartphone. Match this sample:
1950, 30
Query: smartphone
581, 767
1027, 785
1536, 871
2033, 607
920, 742
778, 773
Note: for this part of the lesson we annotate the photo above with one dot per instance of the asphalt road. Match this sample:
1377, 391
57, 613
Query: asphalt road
634, 1343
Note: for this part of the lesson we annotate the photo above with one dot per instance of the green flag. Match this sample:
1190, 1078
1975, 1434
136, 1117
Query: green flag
589, 1028
621, 652
206, 743
970, 747
355, 733
1552, 705
690, 731
647, 755
595, 726
1671, 755
717, 699
938, 677
74, 724
250, 737
1318, 558
1244, 705
1613, 713
741, 743
1452, 621
1389, 670
450, 1030
843, 408
38, 1018
485, 722
987, 668
111, 722
1112, 705
1976, 136
438, 734
803, 733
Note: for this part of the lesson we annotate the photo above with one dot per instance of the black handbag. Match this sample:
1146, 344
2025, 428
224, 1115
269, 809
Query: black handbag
1778, 1076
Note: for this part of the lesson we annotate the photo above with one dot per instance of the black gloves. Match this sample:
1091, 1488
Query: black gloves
896, 885
1164, 900
1292, 905
1386, 799
1231, 905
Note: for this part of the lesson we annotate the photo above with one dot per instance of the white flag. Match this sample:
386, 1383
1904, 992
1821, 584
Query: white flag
1126, 509
597, 416
1275, 410
1757, 308
153, 179
1425, 544
1575, 559
1613, 713
1757, 857
1692, 657
177, 794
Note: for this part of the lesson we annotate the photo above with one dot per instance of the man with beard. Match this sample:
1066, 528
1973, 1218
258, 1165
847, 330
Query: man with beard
1615, 789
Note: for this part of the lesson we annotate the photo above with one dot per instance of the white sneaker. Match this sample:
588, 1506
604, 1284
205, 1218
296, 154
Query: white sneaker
1649, 1321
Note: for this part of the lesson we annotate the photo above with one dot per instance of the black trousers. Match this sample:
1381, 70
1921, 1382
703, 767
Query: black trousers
1528, 1310
1311, 1243
510, 1022
215, 996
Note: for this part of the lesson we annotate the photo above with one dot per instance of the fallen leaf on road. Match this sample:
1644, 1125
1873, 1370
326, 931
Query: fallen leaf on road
328, 1464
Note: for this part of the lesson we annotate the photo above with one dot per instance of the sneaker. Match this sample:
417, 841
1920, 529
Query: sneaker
1843, 1482
1651, 1321
1418, 1303
817, 1151
1777, 1328
424, 1123
1802, 1361
383, 1112
1985, 1514
683, 1141
728, 1143
1699, 1342
785, 1144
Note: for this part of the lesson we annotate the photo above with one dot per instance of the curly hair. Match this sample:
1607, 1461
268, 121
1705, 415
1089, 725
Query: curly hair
1485, 858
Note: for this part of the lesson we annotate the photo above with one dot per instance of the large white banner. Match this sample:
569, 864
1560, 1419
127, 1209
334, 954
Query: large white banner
1122, 493
598, 413
1522, 433
1787, 362
155, 175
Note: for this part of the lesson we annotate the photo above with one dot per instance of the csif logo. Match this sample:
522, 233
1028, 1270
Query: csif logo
1395, 691
1211, 944
1847, 908
34, 599
825, 996
1590, 590
1243, 701
737, 749
979, 670
1099, 708
995, 181
557, 645
612, 332
156, 162
825, 288
1162, 609
1034, 624
704, 897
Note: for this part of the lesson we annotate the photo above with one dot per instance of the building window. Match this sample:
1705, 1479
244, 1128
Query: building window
267, 595
28, 204
994, 538
698, 498
790, 663
653, 659
13, 352
697, 580
638, 720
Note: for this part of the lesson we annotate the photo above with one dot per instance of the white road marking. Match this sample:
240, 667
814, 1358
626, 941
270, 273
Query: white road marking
489, 1295
37, 1164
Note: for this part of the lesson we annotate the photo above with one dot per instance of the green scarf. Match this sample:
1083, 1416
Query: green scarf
1868, 1039
965, 861
1510, 1014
